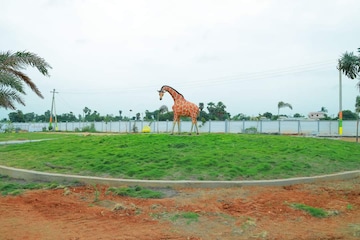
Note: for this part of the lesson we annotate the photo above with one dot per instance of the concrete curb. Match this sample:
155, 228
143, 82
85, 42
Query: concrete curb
30, 175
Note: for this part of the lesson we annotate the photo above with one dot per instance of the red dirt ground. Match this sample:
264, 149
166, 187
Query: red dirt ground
226, 213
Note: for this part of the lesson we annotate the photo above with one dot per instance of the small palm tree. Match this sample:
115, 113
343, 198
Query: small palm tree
282, 104
349, 64
12, 79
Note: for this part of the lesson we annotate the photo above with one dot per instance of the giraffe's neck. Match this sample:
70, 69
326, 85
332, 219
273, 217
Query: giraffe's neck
174, 94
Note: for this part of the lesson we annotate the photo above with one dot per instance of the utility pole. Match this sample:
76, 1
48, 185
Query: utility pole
53, 112
340, 103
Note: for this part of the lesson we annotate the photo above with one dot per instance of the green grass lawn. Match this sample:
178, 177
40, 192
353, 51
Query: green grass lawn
162, 156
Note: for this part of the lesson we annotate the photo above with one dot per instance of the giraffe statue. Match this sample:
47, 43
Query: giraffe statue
180, 108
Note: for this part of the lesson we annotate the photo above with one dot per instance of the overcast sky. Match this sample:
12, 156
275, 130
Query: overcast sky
113, 55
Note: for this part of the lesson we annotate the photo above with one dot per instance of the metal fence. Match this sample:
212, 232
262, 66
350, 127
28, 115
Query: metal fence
300, 127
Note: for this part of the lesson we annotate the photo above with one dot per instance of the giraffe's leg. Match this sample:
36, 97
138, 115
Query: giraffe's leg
178, 123
197, 129
194, 123
172, 132
192, 126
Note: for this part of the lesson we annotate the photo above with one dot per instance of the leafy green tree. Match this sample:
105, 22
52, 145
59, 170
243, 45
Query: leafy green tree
17, 116
349, 115
66, 117
95, 116
268, 115
240, 116
12, 78
29, 117
217, 112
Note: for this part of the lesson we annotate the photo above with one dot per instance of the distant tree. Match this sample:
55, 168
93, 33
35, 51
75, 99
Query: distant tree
29, 117
17, 116
298, 115
268, 115
87, 112
349, 115
12, 79
240, 116
66, 117
137, 116
217, 112
282, 105
201, 107
323, 109
95, 116
161, 113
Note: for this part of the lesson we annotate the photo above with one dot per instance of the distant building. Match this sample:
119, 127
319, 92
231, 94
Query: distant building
316, 115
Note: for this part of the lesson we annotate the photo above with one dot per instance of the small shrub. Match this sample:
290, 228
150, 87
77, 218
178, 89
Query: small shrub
250, 130
189, 216
315, 212
135, 128
137, 192
90, 128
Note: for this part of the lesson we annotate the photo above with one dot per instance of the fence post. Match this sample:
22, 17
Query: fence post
209, 125
261, 126
298, 127
226, 126
318, 126
279, 131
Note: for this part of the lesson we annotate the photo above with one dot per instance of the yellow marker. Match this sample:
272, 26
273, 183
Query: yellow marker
146, 129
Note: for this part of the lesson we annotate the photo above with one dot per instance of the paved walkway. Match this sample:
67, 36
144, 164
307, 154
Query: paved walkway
30, 175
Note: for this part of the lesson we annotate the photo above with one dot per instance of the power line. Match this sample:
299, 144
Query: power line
240, 77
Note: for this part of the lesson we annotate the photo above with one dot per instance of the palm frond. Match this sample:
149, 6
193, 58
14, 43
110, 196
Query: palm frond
11, 81
8, 97
20, 60
11, 77
27, 80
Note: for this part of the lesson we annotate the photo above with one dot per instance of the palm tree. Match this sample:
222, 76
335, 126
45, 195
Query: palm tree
12, 79
349, 64
282, 104
323, 109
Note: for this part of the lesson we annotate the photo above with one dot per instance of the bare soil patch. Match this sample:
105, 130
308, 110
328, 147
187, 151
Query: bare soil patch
86, 212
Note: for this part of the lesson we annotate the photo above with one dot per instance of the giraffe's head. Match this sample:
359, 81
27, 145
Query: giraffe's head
161, 93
